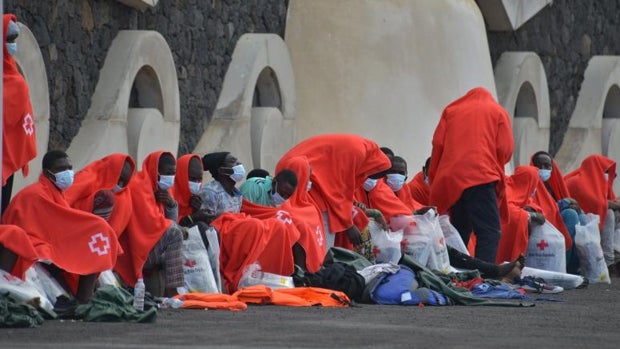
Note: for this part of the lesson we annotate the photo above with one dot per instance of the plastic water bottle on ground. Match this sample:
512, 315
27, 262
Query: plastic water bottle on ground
138, 294
173, 303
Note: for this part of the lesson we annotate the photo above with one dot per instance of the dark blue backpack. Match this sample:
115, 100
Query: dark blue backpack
402, 288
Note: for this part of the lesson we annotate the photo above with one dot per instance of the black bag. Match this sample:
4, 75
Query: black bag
335, 276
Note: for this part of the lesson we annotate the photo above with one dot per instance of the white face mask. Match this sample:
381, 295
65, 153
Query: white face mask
426, 181
194, 187
308, 186
11, 48
395, 181
64, 179
165, 182
606, 177
117, 188
238, 173
277, 199
369, 184
544, 174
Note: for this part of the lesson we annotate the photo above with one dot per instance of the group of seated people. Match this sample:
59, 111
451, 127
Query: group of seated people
324, 192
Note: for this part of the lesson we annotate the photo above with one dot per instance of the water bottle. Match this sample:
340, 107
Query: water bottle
173, 303
138, 294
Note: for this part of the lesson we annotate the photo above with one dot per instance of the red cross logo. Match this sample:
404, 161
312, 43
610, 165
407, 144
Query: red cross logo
190, 263
99, 244
542, 245
376, 251
284, 217
28, 124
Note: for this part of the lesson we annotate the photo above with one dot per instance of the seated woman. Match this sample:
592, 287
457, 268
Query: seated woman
243, 240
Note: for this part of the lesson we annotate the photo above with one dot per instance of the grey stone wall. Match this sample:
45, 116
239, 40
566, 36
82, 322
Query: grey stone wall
74, 36
565, 35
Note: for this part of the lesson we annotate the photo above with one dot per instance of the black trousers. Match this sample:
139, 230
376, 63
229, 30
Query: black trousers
477, 210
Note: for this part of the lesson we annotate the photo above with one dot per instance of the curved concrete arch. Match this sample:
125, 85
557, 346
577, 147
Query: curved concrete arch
135, 107
259, 78
522, 90
596, 109
32, 66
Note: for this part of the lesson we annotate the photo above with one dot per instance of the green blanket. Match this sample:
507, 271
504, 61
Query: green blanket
113, 304
14, 314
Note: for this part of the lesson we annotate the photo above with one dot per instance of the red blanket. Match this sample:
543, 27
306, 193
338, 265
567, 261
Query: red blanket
76, 241
103, 174
147, 223
472, 143
19, 139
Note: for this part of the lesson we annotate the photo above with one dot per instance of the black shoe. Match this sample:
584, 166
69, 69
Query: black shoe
65, 307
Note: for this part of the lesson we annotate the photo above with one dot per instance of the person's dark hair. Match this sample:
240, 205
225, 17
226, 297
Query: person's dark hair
287, 176
397, 158
387, 151
541, 152
427, 164
166, 159
50, 158
212, 161
257, 172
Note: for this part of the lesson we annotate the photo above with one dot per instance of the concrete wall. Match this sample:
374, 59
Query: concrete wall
75, 35
384, 69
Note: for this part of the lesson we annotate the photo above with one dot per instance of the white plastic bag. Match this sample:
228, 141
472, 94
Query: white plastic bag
566, 281
252, 275
589, 251
428, 223
546, 249
452, 236
607, 237
24, 291
196, 265
107, 277
40, 278
214, 256
385, 244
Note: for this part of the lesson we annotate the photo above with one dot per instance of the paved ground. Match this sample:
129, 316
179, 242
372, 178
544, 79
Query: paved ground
586, 318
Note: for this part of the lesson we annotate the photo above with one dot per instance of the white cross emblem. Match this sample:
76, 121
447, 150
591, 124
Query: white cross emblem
319, 236
99, 244
283, 216
28, 124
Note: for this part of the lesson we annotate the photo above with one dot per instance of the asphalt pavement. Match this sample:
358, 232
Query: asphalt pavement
584, 318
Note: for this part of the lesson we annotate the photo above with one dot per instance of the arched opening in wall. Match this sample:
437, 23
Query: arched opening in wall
611, 110
267, 90
146, 90
526, 105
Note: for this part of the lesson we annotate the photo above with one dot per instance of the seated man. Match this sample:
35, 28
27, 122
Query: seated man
556, 198
100, 188
152, 239
186, 191
243, 240
270, 191
592, 185
395, 179
72, 241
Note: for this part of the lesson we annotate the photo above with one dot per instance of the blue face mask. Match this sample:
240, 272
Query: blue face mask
426, 181
165, 182
277, 199
238, 173
395, 181
544, 174
309, 186
369, 184
194, 187
117, 188
11, 48
64, 179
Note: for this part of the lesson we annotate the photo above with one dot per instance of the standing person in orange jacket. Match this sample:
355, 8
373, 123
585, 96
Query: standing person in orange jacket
19, 140
472, 143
